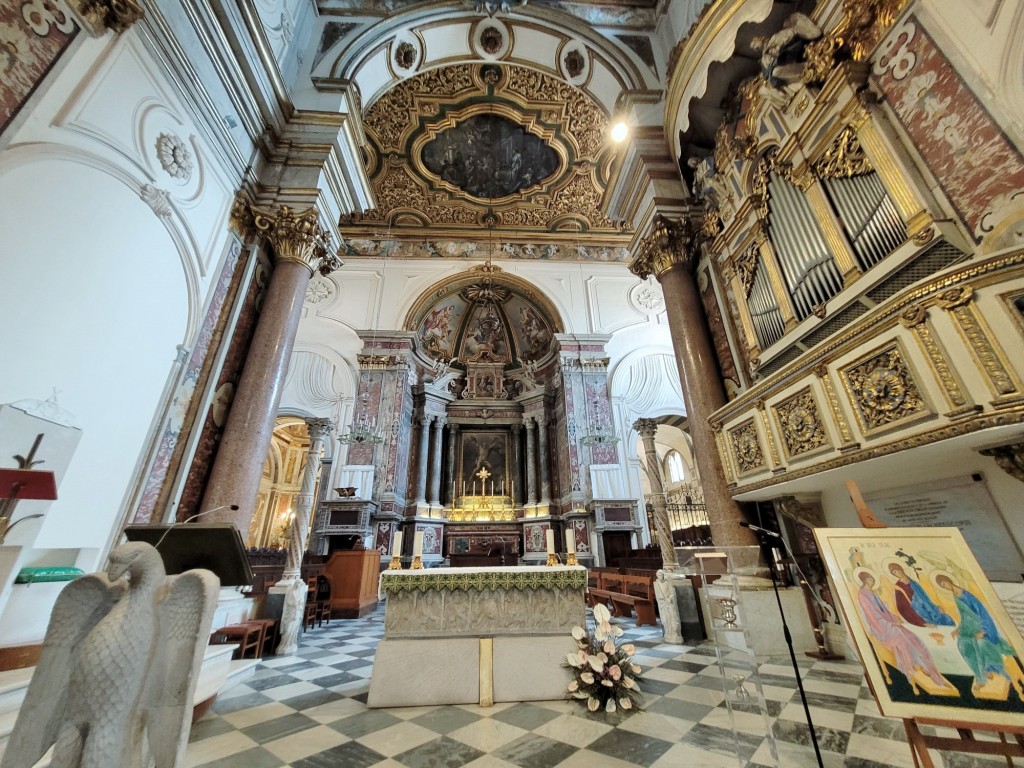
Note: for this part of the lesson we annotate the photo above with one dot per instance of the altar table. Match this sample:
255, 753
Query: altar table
476, 635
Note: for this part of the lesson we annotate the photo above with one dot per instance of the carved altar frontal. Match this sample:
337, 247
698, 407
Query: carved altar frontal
476, 635
475, 602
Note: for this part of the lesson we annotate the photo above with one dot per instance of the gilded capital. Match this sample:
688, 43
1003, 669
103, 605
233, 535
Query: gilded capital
319, 429
646, 428
669, 244
97, 16
1010, 458
297, 238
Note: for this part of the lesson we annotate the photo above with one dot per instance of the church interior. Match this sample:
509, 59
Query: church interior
511, 284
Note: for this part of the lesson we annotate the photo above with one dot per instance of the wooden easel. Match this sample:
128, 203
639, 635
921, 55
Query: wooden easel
1011, 739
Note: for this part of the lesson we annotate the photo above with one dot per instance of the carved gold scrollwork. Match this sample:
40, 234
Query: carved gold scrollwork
958, 302
746, 447
800, 424
883, 390
730, 475
759, 185
746, 268
98, 16
844, 157
916, 319
864, 24
821, 372
769, 436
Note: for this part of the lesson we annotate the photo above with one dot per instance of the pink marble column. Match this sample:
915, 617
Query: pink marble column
670, 253
299, 247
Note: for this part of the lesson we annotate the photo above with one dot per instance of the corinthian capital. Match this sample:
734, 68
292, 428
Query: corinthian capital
297, 238
669, 244
319, 429
645, 427
97, 16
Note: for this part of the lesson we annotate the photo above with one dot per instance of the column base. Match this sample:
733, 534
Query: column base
292, 613
422, 508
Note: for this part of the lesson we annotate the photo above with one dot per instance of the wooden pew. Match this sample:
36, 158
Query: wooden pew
624, 593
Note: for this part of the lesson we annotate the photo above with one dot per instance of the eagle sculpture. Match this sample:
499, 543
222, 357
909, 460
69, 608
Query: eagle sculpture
114, 683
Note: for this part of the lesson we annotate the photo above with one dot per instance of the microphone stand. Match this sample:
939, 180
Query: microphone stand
789, 644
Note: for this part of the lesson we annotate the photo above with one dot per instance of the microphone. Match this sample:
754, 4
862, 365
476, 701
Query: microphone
759, 529
232, 507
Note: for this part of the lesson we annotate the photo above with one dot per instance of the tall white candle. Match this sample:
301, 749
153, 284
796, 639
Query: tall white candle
570, 541
417, 544
551, 541
396, 545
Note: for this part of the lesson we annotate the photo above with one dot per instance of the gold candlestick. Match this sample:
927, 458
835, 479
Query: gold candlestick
396, 563
552, 559
417, 564
570, 559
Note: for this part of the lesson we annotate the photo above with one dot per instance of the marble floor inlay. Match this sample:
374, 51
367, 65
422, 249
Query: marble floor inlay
309, 711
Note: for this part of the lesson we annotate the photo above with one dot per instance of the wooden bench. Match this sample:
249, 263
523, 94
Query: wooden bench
624, 593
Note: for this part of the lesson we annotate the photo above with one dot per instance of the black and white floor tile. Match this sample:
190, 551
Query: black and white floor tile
309, 711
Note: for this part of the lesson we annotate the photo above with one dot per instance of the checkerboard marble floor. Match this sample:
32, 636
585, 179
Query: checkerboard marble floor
309, 711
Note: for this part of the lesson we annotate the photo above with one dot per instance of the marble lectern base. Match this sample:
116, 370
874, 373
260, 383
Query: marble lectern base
759, 611
476, 635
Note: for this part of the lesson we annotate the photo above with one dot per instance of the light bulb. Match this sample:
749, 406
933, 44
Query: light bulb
619, 132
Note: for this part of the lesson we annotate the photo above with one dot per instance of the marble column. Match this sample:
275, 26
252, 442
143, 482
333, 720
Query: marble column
435, 468
299, 247
291, 584
544, 459
531, 461
453, 439
517, 462
647, 428
670, 253
423, 459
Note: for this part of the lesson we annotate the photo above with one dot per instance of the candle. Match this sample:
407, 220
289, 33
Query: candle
474, 487
513, 494
417, 544
551, 541
396, 545
570, 541
463, 487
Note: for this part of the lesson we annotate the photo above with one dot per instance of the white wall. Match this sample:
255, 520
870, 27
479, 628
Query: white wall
93, 302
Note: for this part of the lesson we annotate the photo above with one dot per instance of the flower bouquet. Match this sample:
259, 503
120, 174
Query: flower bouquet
604, 674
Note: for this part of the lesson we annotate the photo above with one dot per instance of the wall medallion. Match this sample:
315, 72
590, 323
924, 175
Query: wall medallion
746, 447
318, 290
573, 64
405, 55
174, 156
491, 40
799, 421
882, 389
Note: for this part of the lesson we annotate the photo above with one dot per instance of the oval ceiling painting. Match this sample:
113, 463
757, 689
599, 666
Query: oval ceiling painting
488, 156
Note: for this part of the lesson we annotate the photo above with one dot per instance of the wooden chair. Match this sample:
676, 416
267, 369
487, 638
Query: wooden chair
249, 637
323, 594
313, 615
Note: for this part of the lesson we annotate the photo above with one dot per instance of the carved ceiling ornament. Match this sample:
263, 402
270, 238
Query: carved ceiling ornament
297, 238
97, 16
491, 40
405, 55
746, 447
800, 423
669, 244
883, 390
844, 157
174, 156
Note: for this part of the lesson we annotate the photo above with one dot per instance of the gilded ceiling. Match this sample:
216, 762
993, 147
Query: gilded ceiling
467, 148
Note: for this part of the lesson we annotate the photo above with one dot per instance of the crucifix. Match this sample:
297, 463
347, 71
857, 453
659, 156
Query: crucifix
483, 474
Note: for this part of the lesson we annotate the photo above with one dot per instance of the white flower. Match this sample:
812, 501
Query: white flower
625, 703
628, 682
578, 633
587, 677
574, 686
629, 649
609, 647
615, 631
573, 659
603, 658
593, 704
595, 663
615, 671
580, 695
607, 683
635, 668
610, 706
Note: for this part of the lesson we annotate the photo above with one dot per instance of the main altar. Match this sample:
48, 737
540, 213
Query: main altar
476, 635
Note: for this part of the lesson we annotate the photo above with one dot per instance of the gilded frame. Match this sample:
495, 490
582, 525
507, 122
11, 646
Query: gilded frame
784, 418
936, 644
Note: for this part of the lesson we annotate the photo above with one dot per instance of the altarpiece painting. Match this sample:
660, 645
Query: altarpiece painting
935, 641
485, 452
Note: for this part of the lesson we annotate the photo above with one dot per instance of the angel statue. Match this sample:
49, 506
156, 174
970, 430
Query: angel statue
114, 684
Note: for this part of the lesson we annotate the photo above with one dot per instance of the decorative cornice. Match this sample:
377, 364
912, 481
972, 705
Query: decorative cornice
669, 245
297, 238
319, 429
97, 16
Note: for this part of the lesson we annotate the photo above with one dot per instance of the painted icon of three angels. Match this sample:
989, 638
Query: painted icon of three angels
934, 638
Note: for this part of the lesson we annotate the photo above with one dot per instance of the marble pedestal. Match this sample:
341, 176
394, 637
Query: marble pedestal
759, 612
476, 635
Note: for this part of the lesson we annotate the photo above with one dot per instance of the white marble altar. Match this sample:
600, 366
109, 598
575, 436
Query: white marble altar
476, 635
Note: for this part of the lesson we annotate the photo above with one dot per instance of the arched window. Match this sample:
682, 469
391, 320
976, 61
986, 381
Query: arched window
674, 465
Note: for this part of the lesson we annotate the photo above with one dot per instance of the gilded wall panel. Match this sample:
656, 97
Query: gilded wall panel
800, 424
883, 390
746, 448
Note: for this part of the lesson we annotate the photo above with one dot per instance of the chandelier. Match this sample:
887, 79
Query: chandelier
363, 431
